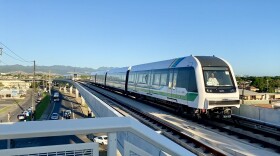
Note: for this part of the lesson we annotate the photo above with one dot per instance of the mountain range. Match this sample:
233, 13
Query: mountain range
57, 69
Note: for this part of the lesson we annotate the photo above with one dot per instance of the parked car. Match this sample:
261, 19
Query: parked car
103, 139
54, 116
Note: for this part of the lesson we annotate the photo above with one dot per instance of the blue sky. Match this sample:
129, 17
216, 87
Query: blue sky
117, 33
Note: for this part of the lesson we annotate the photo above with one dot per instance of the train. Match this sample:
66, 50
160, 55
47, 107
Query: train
201, 86
74, 77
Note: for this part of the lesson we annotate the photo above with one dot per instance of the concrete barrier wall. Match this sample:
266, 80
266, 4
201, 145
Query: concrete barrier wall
259, 113
101, 109
98, 107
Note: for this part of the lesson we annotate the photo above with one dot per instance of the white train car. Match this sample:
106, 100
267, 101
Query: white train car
186, 83
117, 78
197, 85
74, 77
99, 77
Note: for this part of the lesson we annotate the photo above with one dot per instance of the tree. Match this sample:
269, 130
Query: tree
1, 85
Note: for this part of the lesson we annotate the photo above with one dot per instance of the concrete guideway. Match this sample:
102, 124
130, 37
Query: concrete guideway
224, 142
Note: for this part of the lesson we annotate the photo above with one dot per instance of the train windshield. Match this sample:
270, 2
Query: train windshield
217, 76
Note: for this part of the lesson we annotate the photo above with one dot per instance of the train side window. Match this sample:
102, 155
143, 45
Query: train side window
183, 78
136, 77
143, 78
140, 78
131, 78
123, 77
175, 75
163, 78
156, 78
192, 81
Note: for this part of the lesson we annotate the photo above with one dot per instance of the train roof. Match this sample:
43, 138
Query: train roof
119, 70
102, 72
211, 61
157, 65
181, 62
204, 61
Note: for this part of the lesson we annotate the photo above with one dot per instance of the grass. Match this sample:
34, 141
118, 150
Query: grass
41, 107
4, 109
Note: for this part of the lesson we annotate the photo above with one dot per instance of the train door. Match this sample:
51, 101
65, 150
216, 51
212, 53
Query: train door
172, 85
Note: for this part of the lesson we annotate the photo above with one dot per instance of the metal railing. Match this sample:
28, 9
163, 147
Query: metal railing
123, 135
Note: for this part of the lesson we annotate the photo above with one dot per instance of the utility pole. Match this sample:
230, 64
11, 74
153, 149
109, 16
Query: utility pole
43, 82
33, 108
267, 85
50, 82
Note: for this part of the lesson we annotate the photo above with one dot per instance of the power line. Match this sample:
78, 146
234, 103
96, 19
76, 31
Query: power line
3, 62
22, 60
14, 57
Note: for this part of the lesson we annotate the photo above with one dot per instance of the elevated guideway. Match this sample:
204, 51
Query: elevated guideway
97, 106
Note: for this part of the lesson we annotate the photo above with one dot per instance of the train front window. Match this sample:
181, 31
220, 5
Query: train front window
217, 76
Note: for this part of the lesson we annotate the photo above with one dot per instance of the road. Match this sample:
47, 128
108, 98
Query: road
15, 107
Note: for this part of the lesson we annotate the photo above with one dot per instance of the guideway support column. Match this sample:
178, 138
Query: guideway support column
83, 101
65, 89
77, 95
71, 90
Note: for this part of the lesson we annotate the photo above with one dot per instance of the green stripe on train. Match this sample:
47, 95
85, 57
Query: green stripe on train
188, 97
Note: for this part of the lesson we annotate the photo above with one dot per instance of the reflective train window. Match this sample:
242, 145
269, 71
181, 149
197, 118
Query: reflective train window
163, 78
217, 76
186, 79
192, 81
156, 78
159, 77
131, 78
183, 78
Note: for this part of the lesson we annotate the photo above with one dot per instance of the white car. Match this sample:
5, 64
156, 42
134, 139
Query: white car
103, 139
276, 105
54, 116
26, 113
21, 117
